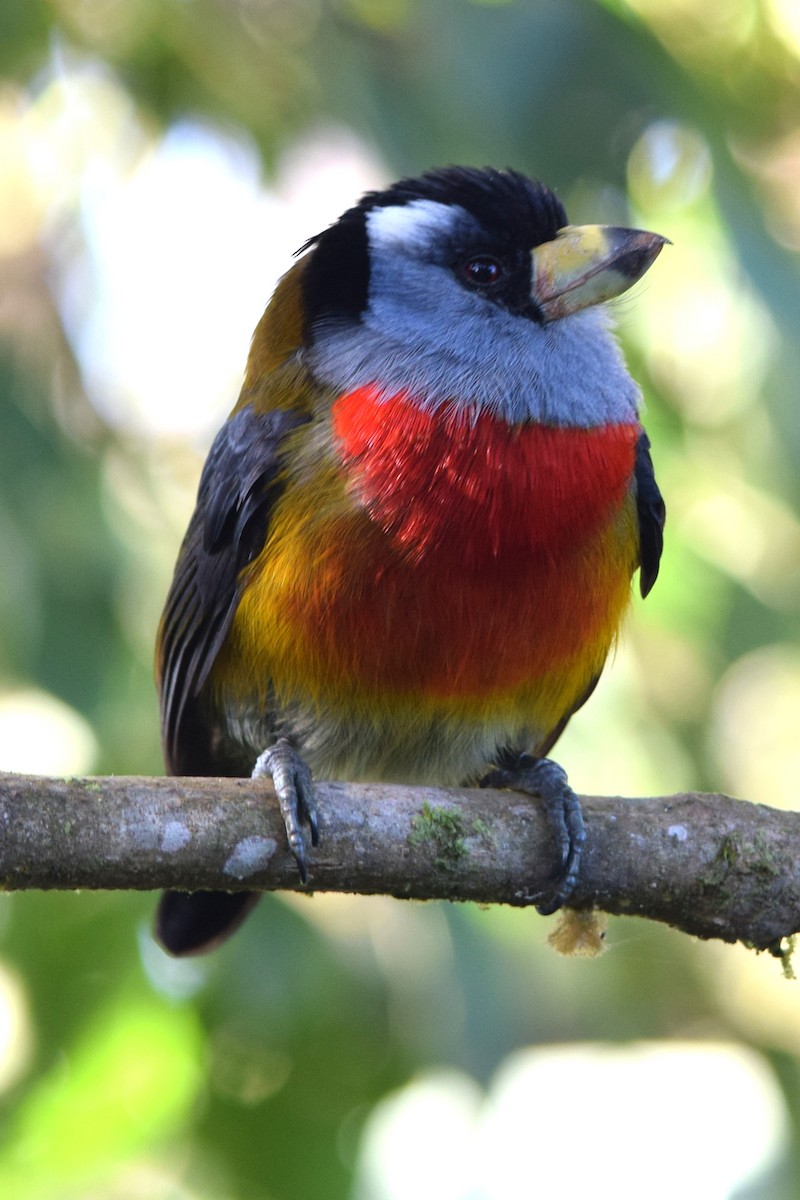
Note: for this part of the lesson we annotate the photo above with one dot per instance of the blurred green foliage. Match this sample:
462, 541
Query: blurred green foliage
252, 1075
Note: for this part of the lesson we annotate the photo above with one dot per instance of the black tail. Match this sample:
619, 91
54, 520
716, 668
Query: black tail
196, 922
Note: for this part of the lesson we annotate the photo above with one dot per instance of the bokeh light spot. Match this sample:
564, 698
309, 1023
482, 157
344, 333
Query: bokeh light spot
710, 1115
41, 735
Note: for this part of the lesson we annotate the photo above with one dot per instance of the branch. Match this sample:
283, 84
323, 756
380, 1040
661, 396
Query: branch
707, 864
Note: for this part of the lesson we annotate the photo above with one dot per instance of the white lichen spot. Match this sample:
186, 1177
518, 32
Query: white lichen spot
679, 832
174, 837
251, 854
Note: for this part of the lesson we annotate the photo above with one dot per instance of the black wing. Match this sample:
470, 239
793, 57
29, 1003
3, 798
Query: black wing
238, 489
652, 514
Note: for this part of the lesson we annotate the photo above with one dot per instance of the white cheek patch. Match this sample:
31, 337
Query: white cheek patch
411, 227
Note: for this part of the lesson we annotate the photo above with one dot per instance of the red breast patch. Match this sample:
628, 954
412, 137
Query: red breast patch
475, 490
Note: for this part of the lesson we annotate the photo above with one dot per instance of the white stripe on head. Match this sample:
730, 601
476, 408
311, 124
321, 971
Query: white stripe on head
411, 226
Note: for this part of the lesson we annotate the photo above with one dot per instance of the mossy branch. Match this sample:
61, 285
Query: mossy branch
707, 864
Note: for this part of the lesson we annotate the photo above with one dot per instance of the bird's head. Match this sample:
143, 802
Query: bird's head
495, 234
469, 287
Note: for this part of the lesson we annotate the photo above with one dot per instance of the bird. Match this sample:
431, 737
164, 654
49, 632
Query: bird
415, 536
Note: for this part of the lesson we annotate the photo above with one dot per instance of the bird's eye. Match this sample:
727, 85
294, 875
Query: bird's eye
482, 271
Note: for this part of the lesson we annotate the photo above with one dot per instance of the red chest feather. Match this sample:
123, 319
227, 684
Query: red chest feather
476, 492
472, 563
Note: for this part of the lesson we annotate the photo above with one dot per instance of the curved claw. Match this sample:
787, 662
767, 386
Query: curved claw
298, 849
307, 811
294, 788
546, 779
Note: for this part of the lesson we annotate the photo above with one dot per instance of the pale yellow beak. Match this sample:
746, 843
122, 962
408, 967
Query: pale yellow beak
588, 264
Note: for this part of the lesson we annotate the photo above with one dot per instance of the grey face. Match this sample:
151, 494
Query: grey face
438, 323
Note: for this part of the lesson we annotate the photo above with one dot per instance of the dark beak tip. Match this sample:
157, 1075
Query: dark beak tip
639, 258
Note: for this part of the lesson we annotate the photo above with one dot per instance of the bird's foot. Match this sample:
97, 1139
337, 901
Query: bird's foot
546, 779
291, 779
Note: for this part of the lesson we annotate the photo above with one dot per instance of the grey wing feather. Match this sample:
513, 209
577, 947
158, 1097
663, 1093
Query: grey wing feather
238, 489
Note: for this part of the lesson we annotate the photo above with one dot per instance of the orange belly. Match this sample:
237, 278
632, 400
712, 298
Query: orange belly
456, 565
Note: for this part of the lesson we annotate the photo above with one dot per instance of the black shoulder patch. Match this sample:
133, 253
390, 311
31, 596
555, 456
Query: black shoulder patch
652, 514
336, 281
238, 489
